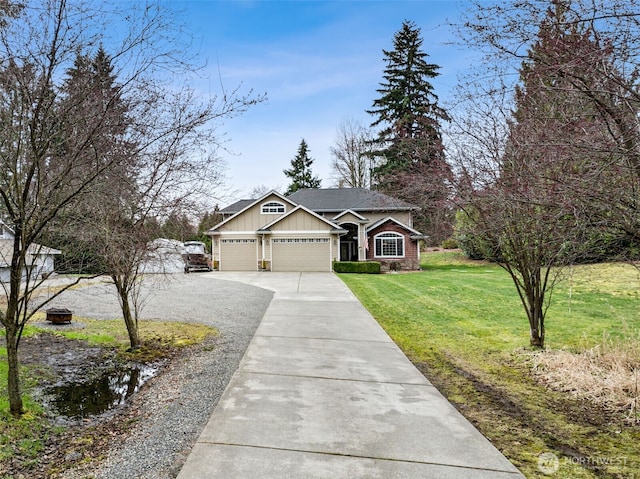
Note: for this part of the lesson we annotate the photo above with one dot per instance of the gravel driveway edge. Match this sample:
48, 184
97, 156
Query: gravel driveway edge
171, 410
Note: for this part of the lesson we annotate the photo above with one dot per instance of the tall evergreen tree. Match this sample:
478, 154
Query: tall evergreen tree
300, 171
92, 106
558, 128
108, 228
407, 109
409, 150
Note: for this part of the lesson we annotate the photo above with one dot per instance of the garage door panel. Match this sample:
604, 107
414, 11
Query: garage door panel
301, 254
238, 255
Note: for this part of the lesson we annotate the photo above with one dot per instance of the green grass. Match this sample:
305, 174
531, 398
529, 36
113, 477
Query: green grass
22, 437
113, 333
462, 324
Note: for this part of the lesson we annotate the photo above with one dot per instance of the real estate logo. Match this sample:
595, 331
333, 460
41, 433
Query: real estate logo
548, 463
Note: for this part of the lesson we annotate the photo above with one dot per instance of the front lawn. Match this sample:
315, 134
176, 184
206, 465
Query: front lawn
463, 326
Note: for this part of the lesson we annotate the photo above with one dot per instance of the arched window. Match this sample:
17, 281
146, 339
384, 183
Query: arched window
273, 207
389, 245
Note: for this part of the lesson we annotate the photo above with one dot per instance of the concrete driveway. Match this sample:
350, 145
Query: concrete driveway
323, 392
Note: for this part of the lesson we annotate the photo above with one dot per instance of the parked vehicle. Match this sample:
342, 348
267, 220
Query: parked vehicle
196, 257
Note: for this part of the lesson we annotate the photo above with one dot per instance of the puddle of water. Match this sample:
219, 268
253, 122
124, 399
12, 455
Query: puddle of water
78, 400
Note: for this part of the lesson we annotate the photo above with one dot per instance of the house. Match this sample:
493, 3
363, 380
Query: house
312, 228
39, 258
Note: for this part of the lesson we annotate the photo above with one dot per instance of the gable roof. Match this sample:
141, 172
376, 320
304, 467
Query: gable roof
249, 204
5, 231
357, 216
415, 234
340, 199
236, 207
334, 228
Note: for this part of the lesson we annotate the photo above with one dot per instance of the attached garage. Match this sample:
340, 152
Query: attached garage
301, 254
238, 255
275, 235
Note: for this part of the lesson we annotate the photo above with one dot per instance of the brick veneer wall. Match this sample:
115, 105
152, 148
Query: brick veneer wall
410, 260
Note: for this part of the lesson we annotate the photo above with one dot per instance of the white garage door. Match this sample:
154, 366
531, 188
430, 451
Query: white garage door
301, 254
238, 255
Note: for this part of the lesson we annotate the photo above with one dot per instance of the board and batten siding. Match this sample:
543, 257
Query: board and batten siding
403, 217
301, 221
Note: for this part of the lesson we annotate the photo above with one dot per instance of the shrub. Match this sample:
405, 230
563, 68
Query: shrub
469, 239
449, 243
369, 267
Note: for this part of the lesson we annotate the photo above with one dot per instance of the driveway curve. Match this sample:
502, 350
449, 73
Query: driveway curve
197, 297
168, 416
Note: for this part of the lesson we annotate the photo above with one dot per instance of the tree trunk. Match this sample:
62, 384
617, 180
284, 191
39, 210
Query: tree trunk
129, 320
537, 339
13, 382
536, 321
12, 327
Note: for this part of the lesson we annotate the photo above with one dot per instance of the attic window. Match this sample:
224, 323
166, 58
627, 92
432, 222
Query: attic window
272, 207
389, 245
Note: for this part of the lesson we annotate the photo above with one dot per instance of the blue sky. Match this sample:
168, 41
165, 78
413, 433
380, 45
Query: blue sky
319, 62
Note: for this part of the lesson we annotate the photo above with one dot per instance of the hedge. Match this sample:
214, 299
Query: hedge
369, 267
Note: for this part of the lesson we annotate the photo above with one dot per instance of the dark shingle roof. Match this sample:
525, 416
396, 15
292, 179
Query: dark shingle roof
235, 207
340, 199
327, 200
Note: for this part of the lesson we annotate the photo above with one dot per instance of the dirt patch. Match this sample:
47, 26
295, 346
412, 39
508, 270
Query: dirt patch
64, 357
63, 450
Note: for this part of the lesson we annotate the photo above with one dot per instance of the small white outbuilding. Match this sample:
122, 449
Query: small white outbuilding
39, 258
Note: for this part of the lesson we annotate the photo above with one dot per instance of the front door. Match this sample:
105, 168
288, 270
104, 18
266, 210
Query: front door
348, 251
349, 242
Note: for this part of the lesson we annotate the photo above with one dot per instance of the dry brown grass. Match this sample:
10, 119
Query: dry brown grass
607, 374
617, 279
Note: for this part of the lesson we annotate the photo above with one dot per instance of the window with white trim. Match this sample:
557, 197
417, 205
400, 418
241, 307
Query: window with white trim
300, 240
272, 207
389, 245
237, 241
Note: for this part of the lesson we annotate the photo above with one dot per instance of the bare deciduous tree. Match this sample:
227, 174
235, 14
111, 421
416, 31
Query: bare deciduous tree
602, 74
62, 146
352, 163
525, 180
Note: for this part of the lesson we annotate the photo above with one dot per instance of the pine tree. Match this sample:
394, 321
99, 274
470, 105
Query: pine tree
413, 165
300, 171
92, 107
407, 108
